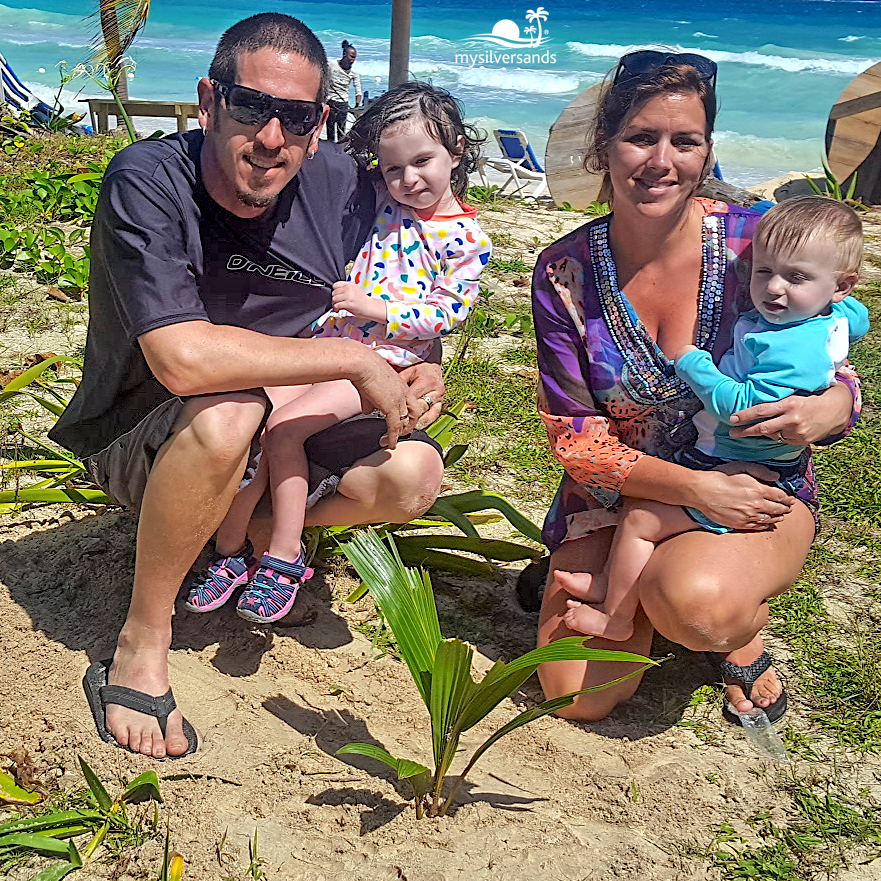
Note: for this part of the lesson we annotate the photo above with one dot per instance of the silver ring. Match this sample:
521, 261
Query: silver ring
764, 517
428, 400
404, 416
780, 437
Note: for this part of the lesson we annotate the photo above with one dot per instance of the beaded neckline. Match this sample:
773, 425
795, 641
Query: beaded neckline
647, 373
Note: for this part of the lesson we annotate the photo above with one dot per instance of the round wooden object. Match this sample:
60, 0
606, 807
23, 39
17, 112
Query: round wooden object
855, 121
564, 155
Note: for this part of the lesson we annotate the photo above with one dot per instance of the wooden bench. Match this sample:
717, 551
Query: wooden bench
101, 108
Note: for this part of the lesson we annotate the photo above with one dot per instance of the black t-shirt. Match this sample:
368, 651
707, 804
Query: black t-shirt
164, 252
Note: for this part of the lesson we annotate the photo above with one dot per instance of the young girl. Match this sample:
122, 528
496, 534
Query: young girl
415, 280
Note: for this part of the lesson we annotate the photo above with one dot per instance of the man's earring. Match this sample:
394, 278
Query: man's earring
310, 155
204, 130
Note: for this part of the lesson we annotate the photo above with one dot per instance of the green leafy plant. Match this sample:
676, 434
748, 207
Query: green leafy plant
441, 670
52, 834
481, 195
833, 190
64, 477
598, 209
463, 511
172, 868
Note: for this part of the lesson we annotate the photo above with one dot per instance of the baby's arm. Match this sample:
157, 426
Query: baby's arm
783, 361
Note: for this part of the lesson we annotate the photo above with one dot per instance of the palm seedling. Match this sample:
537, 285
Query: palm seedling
441, 670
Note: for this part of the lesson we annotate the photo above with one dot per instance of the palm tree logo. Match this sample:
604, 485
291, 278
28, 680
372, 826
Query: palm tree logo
536, 15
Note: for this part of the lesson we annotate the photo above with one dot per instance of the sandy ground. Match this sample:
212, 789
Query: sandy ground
621, 799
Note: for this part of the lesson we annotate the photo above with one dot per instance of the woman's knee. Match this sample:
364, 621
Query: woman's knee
700, 609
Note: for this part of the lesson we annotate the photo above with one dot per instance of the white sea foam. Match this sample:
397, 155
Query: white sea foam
708, 36
533, 81
794, 63
851, 39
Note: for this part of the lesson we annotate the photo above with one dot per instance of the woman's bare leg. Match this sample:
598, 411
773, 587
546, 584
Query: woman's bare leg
710, 592
562, 677
703, 591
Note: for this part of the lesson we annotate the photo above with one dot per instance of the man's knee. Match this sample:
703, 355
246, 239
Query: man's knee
222, 426
413, 480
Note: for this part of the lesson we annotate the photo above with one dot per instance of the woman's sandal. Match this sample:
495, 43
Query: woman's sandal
268, 598
213, 587
746, 678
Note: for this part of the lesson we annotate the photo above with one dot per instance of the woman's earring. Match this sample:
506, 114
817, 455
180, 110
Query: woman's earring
310, 155
204, 130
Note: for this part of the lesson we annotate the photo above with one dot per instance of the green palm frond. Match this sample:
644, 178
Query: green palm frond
120, 21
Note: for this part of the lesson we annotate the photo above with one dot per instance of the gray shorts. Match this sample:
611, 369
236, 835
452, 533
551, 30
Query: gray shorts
122, 468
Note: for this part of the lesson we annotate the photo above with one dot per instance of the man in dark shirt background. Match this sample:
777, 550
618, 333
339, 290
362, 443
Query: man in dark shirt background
212, 253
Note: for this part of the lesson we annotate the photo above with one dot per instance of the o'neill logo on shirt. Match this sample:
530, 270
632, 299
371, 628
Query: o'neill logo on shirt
238, 263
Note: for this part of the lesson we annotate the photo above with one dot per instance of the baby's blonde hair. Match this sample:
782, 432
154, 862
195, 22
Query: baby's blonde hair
792, 224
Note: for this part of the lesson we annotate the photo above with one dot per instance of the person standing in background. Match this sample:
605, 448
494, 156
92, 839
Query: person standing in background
341, 78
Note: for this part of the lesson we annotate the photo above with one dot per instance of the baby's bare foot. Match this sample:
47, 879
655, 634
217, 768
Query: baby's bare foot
595, 622
582, 585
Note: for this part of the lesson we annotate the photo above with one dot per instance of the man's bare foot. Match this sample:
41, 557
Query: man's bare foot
144, 670
582, 585
767, 688
593, 621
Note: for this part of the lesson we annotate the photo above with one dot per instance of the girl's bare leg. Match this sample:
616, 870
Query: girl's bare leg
231, 534
643, 524
703, 591
287, 430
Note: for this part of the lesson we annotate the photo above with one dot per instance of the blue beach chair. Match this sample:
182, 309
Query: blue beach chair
19, 97
519, 162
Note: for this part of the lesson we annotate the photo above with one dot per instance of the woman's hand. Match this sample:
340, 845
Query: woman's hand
735, 496
798, 420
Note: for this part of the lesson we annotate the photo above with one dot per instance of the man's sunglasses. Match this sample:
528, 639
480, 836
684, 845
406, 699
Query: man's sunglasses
644, 61
250, 107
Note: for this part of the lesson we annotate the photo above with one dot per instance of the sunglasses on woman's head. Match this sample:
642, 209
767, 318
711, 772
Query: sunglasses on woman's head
637, 64
250, 107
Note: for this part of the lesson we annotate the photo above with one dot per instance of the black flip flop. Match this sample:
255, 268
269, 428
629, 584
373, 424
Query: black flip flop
99, 694
746, 678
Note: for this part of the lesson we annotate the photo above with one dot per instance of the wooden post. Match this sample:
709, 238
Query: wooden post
399, 50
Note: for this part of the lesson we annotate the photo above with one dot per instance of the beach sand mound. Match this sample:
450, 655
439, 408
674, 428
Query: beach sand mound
556, 800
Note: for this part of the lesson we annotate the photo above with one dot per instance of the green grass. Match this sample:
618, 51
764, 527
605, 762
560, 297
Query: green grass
850, 472
840, 665
505, 422
829, 827
511, 264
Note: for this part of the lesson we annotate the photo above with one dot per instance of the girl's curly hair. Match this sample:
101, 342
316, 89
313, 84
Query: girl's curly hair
436, 108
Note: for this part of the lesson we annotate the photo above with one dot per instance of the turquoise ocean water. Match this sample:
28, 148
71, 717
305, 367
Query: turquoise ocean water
781, 64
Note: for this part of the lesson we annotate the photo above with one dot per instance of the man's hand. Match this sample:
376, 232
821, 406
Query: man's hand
348, 296
426, 385
383, 389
